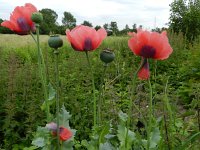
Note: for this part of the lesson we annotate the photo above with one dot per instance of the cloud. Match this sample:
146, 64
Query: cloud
99, 12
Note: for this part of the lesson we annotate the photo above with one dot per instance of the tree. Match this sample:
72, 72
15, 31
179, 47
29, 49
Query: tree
114, 27
185, 17
134, 27
125, 30
97, 27
106, 26
178, 10
87, 23
68, 20
49, 23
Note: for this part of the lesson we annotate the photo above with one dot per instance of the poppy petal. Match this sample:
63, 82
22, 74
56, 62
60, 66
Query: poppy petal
9, 24
156, 45
101, 35
65, 134
84, 38
20, 19
74, 41
133, 45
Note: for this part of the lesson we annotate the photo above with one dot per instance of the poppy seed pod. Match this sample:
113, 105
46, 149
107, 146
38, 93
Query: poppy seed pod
37, 17
55, 41
107, 56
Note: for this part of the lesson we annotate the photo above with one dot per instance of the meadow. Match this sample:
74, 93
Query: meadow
175, 85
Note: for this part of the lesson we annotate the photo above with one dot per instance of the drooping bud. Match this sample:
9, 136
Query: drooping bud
55, 41
107, 56
37, 17
51, 126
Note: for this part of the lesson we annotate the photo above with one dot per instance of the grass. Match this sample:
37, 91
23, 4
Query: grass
21, 96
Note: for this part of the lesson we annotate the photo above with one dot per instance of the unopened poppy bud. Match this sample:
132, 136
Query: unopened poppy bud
55, 41
37, 17
107, 56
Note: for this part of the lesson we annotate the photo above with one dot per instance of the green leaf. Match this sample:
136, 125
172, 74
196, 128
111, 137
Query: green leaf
39, 142
64, 117
122, 131
84, 143
191, 139
30, 148
41, 137
67, 145
155, 138
51, 98
106, 146
123, 116
103, 133
52, 92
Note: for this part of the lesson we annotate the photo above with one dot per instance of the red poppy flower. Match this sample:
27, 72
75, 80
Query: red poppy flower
20, 19
64, 133
149, 45
84, 38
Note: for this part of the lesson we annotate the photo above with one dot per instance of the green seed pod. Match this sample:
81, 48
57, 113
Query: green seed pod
37, 17
55, 41
107, 56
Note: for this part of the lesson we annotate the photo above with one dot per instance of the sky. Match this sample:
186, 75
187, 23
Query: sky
148, 13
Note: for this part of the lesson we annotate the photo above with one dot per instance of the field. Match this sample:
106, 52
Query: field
175, 92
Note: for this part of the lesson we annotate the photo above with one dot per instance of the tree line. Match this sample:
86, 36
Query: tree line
184, 17
51, 26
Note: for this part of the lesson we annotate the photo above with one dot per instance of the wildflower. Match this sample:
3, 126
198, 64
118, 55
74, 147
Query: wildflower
84, 38
64, 133
20, 19
149, 45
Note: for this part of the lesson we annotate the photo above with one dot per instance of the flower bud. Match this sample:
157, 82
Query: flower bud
107, 56
37, 17
55, 41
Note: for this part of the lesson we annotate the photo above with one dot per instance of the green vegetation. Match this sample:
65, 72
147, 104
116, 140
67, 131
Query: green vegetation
175, 84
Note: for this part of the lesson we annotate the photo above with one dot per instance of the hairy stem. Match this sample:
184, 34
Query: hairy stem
131, 102
41, 65
93, 87
100, 101
56, 52
150, 115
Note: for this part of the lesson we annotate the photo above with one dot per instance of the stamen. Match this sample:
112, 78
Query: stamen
147, 51
23, 25
88, 44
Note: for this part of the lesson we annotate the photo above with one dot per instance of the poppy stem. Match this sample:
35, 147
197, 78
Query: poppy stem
100, 115
132, 103
56, 53
93, 87
42, 73
150, 114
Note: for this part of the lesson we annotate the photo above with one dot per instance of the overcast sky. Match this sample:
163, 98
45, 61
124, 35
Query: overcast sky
149, 13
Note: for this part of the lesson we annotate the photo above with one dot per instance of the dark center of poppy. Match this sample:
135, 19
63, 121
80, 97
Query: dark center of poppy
23, 25
148, 51
87, 44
